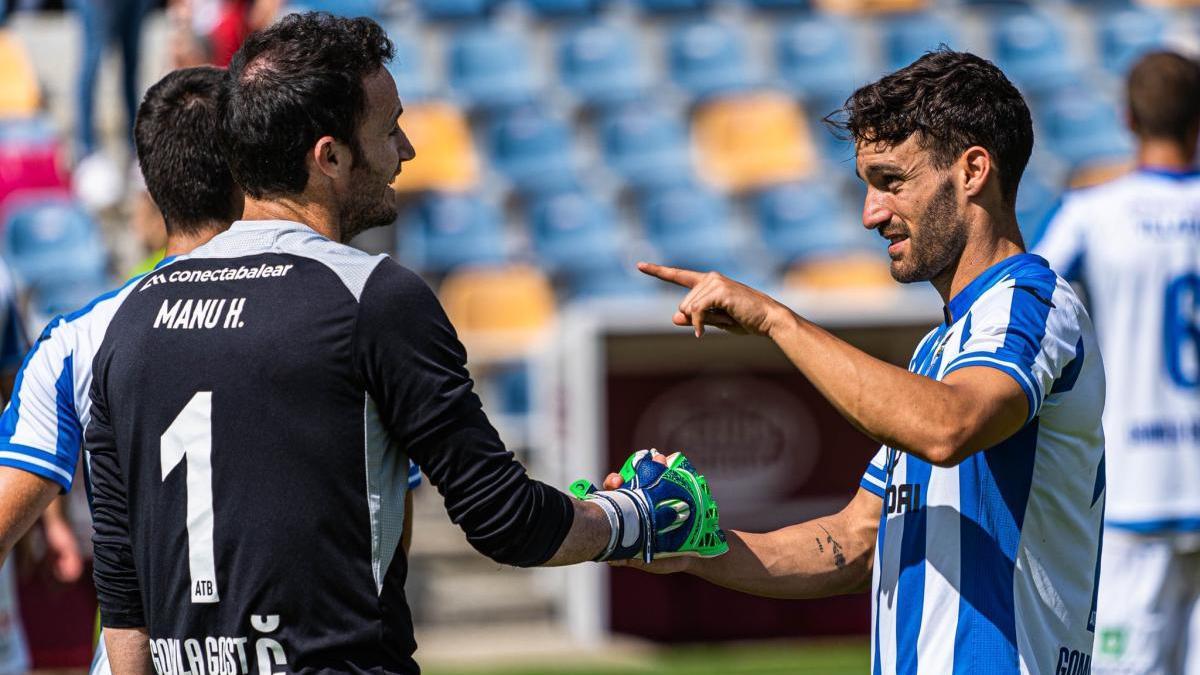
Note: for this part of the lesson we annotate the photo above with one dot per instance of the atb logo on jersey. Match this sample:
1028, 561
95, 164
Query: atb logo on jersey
204, 590
682, 512
903, 498
1073, 662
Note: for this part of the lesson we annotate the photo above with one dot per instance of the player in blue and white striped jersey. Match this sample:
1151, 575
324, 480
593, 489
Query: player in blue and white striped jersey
1135, 244
977, 526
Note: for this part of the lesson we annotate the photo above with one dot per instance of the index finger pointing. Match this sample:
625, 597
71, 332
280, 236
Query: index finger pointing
675, 275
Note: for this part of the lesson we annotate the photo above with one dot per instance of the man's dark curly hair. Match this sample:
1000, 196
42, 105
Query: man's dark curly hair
289, 85
175, 135
952, 101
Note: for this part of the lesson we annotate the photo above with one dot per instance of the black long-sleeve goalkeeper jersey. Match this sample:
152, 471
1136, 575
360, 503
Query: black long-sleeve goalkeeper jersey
253, 409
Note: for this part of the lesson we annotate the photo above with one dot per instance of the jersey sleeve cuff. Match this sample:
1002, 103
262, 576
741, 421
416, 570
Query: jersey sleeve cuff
873, 485
38, 463
1023, 377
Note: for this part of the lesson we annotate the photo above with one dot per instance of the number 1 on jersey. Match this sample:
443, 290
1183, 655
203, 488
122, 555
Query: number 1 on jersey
190, 437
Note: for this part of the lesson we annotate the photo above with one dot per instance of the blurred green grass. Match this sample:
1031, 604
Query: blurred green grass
749, 659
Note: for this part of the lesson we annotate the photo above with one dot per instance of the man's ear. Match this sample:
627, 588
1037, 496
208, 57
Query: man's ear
331, 157
976, 170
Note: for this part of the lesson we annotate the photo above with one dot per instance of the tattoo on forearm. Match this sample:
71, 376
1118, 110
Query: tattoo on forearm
839, 558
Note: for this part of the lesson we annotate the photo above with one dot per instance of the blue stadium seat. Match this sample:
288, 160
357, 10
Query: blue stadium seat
799, 220
1036, 199
445, 231
782, 5
691, 227
906, 38
575, 234
54, 298
647, 146
707, 58
456, 10
565, 8
1126, 34
350, 8
1083, 129
50, 240
26, 131
534, 150
600, 64
1031, 48
490, 68
673, 6
408, 68
819, 59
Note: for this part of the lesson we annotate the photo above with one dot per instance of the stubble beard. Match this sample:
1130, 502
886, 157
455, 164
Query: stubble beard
366, 207
940, 241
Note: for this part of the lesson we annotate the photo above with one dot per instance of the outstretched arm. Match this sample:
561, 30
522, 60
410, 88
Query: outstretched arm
827, 556
128, 651
942, 422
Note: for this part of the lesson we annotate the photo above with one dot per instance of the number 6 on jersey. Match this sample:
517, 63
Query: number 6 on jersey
190, 436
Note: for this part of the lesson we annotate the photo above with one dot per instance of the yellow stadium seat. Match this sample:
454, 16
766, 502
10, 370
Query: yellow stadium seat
446, 158
1171, 4
848, 271
19, 93
751, 141
499, 312
872, 6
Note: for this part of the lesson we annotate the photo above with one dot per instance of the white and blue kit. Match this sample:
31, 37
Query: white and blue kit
1134, 243
991, 566
14, 655
41, 430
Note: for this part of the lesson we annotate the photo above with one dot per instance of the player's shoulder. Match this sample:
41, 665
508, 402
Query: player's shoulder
1030, 280
394, 285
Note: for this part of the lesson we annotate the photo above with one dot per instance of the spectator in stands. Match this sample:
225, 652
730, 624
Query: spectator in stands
97, 178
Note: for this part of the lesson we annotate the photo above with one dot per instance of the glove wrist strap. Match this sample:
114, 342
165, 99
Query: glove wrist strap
629, 517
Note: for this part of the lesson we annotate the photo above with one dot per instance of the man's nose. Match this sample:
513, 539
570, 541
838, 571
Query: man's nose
875, 212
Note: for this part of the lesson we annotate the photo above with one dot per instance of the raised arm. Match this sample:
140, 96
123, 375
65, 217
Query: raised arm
983, 399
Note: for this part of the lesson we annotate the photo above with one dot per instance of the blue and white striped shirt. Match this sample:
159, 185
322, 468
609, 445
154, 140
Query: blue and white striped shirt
991, 566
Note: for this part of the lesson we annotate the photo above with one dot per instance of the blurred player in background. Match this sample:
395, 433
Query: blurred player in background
258, 400
1134, 243
977, 525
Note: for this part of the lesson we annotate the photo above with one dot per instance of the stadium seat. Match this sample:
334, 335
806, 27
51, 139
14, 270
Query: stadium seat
490, 68
819, 59
862, 7
1083, 129
691, 227
29, 156
533, 150
646, 146
575, 234
1031, 48
1036, 199
707, 58
499, 313
788, 5
446, 159
601, 65
673, 6
19, 92
802, 220
751, 141
446, 231
906, 38
350, 8
49, 240
456, 10
408, 68
1125, 34
564, 8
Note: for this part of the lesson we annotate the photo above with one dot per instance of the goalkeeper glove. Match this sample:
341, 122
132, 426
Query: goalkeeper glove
659, 511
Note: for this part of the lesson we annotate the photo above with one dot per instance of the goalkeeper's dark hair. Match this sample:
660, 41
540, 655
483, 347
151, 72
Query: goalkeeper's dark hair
1163, 91
175, 135
951, 101
289, 85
